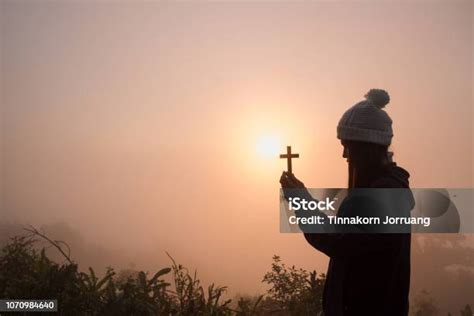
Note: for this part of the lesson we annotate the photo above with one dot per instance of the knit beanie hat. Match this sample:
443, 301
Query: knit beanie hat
366, 121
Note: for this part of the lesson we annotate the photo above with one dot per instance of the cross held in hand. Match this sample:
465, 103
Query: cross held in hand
288, 156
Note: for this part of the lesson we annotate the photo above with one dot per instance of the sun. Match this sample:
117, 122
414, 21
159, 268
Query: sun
268, 146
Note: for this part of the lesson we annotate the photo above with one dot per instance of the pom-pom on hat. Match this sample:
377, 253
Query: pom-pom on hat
366, 121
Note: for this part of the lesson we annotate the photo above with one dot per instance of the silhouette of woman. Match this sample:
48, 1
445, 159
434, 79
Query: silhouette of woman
368, 274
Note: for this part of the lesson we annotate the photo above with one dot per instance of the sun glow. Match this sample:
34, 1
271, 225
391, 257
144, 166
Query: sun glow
268, 146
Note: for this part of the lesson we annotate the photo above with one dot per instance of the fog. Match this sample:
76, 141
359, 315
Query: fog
129, 130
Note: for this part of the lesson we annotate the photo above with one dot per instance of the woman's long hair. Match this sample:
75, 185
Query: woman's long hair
367, 162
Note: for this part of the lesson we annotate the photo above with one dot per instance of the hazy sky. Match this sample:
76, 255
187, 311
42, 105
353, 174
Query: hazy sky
137, 123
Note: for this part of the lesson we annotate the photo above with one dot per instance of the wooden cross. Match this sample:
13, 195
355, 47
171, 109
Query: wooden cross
288, 157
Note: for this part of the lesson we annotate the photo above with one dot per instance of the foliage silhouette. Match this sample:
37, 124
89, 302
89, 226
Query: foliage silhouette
467, 311
26, 272
294, 290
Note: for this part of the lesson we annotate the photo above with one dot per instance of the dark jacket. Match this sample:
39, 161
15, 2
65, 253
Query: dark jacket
368, 274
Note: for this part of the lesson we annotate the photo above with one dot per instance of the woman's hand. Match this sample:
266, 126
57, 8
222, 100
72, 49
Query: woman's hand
293, 187
288, 180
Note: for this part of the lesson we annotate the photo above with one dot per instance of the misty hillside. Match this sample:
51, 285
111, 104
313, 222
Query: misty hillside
442, 265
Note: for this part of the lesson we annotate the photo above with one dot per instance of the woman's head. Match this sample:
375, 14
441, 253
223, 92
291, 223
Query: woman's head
365, 131
367, 121
366, 162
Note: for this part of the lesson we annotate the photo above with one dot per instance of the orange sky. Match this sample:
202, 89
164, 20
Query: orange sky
143, 118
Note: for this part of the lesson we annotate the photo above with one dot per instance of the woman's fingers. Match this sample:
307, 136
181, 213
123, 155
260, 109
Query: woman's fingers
285, 181
295, 180
288, 180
